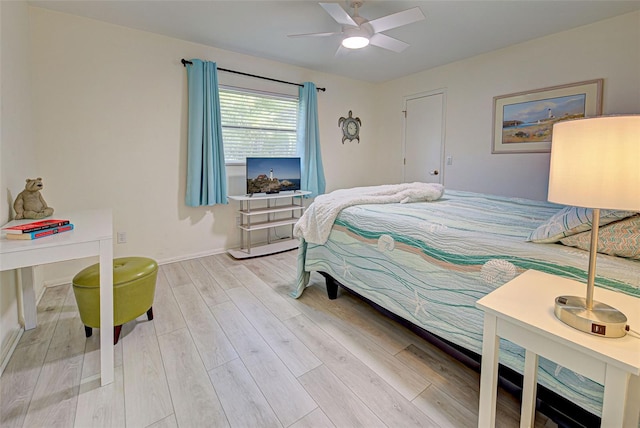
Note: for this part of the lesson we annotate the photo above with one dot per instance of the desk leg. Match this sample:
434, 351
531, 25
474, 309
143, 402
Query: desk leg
106, 311
29, 308
529, 387
489, 373
616, 383
632, 410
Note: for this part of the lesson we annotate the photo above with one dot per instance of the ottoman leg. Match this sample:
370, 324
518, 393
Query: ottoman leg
88, 331
150, 313
116, 333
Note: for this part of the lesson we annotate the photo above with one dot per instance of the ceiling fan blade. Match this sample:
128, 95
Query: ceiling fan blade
386, 42
339, 14
314, 34
397, 19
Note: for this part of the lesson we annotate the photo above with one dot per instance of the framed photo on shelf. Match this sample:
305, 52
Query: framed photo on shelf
523, 122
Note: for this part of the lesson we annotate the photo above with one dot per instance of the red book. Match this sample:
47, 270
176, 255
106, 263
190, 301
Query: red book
41, 233
35, 226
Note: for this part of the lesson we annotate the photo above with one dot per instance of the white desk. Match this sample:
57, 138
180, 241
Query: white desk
92, 236
521, 311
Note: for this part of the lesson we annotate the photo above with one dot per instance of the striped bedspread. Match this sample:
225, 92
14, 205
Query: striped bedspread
430, 262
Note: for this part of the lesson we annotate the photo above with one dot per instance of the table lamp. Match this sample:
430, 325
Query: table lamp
595, 163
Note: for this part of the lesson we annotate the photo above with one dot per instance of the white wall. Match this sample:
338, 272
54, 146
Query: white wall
110, 107
608, 49
17, 149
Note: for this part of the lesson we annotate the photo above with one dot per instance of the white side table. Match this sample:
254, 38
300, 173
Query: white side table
521, 311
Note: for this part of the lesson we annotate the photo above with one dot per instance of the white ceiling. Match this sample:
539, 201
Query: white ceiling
453, 29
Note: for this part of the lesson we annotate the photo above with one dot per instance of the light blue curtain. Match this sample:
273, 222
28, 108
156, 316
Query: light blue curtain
312, 173
206, 174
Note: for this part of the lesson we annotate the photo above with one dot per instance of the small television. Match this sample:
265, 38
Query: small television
272, 175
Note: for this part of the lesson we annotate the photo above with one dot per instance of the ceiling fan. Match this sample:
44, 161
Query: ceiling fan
359, 32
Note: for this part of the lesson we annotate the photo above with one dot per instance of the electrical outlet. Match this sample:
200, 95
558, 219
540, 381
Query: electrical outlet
122, 237
449, 160
238, 221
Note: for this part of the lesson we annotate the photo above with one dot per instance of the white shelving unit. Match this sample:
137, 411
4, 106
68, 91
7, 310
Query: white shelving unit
267, 215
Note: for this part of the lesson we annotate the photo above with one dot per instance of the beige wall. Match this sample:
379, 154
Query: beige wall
17, 148
110, 106
608, 49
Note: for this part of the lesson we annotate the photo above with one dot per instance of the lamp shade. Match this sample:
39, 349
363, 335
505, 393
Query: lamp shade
595, 163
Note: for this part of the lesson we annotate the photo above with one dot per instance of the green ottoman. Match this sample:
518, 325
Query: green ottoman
134, 286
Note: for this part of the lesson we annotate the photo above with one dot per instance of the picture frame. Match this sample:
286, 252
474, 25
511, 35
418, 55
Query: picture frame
523, 121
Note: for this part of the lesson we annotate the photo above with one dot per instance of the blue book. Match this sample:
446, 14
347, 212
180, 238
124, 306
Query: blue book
41, 233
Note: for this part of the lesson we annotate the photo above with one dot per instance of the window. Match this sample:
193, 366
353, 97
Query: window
257, 124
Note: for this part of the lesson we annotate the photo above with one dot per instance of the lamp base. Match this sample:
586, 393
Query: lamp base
602, 320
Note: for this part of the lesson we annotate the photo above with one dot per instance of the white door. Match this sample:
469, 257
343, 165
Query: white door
424, 138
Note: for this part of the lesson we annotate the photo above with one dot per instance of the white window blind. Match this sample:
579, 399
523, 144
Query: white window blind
256, 124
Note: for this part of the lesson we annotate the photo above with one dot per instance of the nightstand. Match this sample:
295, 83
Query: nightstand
521, 311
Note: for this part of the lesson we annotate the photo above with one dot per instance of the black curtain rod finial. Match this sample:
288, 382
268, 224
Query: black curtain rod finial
185, 62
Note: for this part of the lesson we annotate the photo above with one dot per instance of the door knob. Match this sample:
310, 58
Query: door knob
434, 172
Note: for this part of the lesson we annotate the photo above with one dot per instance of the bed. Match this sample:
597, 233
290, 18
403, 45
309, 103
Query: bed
429, 262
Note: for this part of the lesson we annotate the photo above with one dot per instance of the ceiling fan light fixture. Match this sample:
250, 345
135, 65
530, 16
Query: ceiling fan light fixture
357, 37
355, 42
358, 32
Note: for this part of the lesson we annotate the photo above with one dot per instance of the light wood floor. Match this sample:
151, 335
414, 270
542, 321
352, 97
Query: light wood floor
229, 347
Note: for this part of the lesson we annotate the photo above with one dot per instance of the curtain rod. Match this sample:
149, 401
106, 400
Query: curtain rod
185, 62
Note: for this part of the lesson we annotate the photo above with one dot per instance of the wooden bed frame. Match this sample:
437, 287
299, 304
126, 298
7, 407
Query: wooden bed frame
560, 410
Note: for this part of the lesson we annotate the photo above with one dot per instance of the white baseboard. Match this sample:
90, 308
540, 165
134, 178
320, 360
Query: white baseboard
191, 256
6, 354
67, 280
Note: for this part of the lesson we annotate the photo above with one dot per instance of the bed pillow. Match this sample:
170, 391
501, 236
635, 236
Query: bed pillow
571, 220
621, 239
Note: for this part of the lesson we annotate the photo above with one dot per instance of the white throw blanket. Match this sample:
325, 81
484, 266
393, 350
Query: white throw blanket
315, 224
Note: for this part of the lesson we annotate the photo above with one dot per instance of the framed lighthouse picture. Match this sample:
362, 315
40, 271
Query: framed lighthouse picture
523, 122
